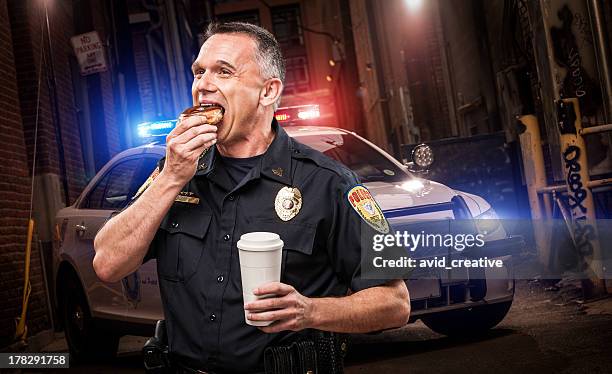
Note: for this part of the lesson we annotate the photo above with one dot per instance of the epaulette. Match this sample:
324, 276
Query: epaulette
321, 160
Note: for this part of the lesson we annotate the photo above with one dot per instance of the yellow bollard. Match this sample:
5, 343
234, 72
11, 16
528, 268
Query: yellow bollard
21, 330
535, 177
582, 207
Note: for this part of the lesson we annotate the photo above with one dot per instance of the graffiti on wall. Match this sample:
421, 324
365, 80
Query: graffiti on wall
584, 233
577, 82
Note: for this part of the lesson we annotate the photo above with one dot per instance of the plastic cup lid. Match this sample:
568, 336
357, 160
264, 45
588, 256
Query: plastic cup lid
260, 241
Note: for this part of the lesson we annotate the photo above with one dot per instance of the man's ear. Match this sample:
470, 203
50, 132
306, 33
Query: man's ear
271, 92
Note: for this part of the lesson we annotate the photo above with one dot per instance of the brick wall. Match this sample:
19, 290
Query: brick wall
424, 64
369, 91
143, 72
107, 81
26, 22
470, 64
26, 67
61, 32
21, 42
438, 104
14, 203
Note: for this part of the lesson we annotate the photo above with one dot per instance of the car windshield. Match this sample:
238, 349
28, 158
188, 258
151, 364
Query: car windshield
369, 164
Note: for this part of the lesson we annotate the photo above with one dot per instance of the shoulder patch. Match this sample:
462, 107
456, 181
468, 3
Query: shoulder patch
364, 204
146, 184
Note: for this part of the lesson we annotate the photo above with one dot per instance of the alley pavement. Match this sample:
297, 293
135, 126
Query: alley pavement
548, 330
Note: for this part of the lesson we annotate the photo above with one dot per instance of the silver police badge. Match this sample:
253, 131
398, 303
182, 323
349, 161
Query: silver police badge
288, 203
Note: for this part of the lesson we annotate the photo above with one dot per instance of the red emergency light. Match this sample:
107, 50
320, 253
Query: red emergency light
297, 113
280, 117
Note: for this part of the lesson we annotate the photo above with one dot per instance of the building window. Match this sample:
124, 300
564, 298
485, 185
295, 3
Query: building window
250, 16
287, 28
297, 71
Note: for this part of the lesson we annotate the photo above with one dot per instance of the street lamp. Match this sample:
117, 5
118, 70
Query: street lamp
414, 4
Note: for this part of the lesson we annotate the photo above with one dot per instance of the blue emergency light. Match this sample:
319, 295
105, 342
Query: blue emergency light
156, 129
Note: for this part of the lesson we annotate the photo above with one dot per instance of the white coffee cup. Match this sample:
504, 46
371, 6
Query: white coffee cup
260, 256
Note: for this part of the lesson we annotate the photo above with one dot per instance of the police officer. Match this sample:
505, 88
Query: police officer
219, 182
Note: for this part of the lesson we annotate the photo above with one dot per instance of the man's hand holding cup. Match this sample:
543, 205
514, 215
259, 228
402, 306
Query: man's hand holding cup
289, 309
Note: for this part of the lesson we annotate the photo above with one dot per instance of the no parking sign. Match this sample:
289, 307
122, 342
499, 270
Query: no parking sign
89, 52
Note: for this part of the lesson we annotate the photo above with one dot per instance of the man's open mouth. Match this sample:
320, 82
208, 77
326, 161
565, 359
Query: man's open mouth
212, 112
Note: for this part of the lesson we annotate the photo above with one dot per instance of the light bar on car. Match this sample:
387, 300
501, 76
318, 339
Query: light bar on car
281, 117
297, 113
155, 129
309, 114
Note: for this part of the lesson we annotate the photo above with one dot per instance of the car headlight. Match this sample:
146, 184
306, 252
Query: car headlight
490, 225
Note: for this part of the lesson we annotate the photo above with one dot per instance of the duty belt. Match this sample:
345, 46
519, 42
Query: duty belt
309, 352
317, 352
182, 369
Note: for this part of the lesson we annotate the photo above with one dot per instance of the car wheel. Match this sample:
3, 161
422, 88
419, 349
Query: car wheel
468, 322
86, 341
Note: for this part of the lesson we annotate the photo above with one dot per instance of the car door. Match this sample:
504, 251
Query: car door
140, 288
111, 194
142, 292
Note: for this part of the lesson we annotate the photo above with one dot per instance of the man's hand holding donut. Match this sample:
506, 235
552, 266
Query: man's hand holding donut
196, 131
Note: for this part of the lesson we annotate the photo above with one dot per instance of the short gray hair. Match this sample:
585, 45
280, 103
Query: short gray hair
268, 54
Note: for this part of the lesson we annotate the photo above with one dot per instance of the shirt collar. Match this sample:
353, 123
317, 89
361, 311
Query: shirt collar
275, 163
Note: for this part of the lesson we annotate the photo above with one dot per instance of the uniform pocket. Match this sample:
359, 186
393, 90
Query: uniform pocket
185, 231
298, 247
298, 259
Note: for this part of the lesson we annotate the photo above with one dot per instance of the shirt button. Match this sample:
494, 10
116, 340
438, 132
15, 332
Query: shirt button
212, 317
226, 237
231, 197
220, 278
175, 224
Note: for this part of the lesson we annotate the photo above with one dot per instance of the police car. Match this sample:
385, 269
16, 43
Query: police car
96, 314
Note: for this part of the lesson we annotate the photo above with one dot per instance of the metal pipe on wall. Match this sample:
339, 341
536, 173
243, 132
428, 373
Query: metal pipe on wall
596, 129
535, 179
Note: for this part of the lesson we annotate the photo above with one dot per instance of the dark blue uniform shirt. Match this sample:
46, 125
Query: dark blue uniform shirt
197, 257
